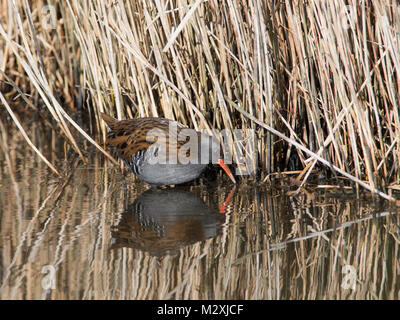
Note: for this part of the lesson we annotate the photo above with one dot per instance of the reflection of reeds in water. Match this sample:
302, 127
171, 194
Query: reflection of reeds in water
259, 254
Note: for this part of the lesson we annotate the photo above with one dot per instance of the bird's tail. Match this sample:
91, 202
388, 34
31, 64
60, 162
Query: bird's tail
111, 122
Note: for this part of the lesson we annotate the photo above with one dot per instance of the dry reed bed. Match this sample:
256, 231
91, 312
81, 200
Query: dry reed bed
324, 74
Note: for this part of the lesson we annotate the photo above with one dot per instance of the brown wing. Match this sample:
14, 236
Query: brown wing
132, 136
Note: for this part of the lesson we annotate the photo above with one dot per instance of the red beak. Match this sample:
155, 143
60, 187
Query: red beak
226, 169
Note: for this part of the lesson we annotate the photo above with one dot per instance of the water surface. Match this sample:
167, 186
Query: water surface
102, 234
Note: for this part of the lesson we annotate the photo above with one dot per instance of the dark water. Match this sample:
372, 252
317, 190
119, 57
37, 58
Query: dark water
98, 234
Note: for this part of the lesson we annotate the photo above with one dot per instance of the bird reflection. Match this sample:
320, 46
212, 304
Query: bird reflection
163, 221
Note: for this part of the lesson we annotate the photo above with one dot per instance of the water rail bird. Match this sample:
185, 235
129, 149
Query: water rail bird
161, 151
